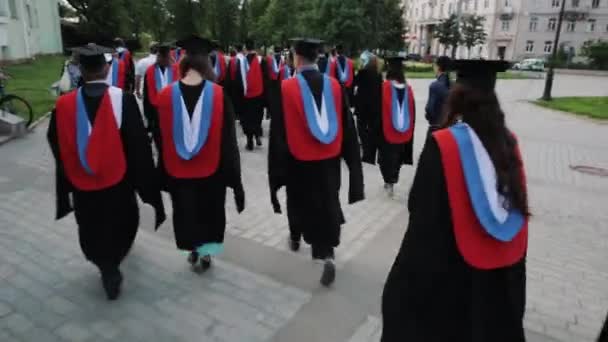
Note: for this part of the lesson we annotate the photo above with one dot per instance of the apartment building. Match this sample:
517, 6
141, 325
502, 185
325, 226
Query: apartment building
28, 28
516, 28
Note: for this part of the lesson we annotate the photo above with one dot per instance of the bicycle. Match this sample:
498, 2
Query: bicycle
14, 104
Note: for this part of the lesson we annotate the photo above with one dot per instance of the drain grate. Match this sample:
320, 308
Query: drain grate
590, 170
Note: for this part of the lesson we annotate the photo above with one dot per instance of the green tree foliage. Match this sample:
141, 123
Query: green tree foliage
448, 33
245, 21
102, 17
222, 17
392, 26
185, 16
597, 52
473, 32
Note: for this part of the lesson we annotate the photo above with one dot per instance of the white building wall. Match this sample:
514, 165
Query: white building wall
29, 28
511, 39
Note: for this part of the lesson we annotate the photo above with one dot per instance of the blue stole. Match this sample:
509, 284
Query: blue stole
158, 77
310, 109
115, 69
178, 120
404, 112
343, 73
479, 200
83, 131
286, 71
275, 66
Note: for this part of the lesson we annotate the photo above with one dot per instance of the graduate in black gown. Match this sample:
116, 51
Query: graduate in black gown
102, 166
460, 273
272, 76
392, 124
367, 100
249, 93
311, 130
345, 71
199, 158
157, 77
326, 62
219, 65
126, 57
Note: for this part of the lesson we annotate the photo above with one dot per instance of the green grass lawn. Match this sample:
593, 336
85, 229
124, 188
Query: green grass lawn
32, 81
594, 107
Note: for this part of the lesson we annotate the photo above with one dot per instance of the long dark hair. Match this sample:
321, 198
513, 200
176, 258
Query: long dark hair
197, 62
481, 110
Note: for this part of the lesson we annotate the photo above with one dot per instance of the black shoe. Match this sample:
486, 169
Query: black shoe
193, 258
329, 273
249, 146
294, 245
206, 262
111, 284
258, 141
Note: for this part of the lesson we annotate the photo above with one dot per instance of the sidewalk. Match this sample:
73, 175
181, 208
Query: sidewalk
258, 291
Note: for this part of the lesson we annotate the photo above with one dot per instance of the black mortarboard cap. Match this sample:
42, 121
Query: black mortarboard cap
479, 74
394, 59
306, 46
215, 44
164, 48
195, 45
92, 55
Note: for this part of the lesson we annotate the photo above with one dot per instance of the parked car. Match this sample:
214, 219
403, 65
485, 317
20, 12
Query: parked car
530, 64
416, 57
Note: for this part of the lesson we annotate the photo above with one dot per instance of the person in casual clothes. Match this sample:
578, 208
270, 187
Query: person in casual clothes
438, 93
198, 161
141, 66
305, 153
460, 274
103, 159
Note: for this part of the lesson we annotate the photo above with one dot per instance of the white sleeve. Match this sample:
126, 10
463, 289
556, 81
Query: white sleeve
140, 67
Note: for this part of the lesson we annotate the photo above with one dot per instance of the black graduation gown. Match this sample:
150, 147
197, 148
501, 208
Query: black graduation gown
431, 293
150, 111
251, 111
108, 219
272, 87
313, 188
390, 156
322, 64
367, 102
349, 91
224, 82
199, 205
130, 74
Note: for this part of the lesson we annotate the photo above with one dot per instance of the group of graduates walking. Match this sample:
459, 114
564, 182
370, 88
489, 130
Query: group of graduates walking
462, 261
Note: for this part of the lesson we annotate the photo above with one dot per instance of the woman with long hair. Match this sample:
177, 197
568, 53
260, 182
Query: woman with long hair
199, 156
460, 273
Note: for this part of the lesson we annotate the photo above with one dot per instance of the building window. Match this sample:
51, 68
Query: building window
548, 46
552, 24
3, 12
423, 11
595, 3
450, 7
506, 24
441, 7
12, 7
530, 46
466, 5
507, 3
486, 3
533, 24
571, 26
476, 5
591, 25
555, 3
575, 3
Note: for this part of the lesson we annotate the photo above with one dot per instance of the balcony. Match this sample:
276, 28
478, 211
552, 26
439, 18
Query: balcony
576, 15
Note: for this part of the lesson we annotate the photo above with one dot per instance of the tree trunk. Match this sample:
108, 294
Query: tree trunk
469, 52
454, 51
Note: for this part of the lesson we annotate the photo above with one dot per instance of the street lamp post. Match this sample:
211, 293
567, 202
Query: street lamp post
551, 72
